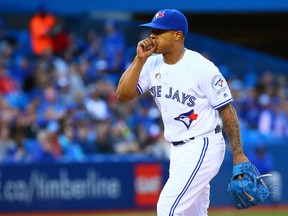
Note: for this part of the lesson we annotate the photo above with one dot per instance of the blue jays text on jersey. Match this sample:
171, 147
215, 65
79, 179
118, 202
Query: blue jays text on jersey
176, 95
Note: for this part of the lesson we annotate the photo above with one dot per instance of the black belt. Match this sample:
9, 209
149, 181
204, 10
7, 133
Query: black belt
217, 130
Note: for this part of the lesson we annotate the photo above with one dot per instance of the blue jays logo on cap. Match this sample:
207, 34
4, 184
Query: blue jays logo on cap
159, 14
169, 19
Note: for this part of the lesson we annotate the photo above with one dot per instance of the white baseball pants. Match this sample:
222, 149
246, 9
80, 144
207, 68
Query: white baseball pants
192, 166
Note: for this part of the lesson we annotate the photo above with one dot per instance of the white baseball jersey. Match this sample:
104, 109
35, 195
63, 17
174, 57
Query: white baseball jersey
187, 93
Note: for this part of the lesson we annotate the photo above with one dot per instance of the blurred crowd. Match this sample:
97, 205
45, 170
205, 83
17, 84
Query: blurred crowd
57, 97
262, 107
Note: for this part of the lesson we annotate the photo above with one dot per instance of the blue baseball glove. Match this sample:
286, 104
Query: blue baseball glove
249, 189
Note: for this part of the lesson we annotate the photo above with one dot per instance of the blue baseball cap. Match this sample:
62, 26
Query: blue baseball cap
169, 19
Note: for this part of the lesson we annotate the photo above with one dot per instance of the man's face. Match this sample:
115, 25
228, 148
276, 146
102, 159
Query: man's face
164, 38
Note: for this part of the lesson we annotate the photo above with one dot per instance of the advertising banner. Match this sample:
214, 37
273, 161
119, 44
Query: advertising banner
81, 186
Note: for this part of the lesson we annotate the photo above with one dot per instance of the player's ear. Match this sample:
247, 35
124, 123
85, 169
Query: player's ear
179, 35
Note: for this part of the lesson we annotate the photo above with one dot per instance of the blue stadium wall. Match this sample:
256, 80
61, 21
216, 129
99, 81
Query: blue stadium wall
108, 183
196, 6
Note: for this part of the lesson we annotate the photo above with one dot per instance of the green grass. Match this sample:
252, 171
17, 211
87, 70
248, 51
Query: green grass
211, 214
241, 213
250, 214
255, 211
229, 212
218, 213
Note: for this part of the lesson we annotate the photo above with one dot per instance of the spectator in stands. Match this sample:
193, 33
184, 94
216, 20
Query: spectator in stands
8, 114
239, 95
101, 70
24, 74
158, 146
85, 134
103, 138
52, 129
41, 28
272, 116
17, 83
264, 161
113, 48
76, 83
7, 51
95, 105
75, 48
45, 148
7, 83
86, 70
7, 145
72, 151
266, 82
250, 109
50, 107
27, 122
123, 139
281, 118
65, 93
94, 42
60, 39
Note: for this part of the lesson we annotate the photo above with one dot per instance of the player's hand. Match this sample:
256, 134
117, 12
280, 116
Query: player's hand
240, 158
146, 48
